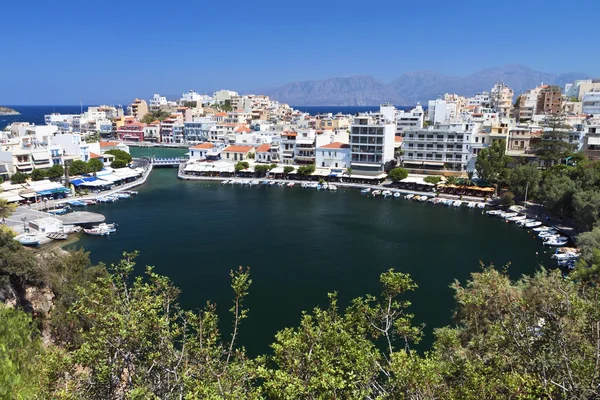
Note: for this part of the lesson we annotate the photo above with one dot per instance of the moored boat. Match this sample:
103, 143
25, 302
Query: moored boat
397, 195
494, 212
332, 187
386, 193
96, 232
291, 184
365, 191
57, 235
532, 224
376, 192
28, 240
409, 196
76, 203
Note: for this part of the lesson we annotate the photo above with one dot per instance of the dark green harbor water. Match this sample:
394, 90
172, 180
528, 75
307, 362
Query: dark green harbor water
301, 244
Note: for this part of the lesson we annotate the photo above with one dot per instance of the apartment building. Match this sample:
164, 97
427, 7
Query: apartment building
372, 144
333, 155
409, 120
549, 100
591, 143
591, 103
138, 109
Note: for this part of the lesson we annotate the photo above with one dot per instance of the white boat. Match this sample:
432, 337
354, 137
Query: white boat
28, 240
547, 233
365, 191
254, 183
457, 203
376, 192
232, 182
409, 196
225, 182
332, 187
566, 253
557, 241
494, 212
291, 184
532, 224
541, 228
471, 204
516, 218
264, 182
397, 195
507, 215
111, 228
122, 195
96, 232
272, 183
386, 193
481, 205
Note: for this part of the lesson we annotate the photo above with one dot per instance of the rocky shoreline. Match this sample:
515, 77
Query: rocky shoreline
8, 111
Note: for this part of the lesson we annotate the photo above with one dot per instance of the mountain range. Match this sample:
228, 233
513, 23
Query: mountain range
411, 87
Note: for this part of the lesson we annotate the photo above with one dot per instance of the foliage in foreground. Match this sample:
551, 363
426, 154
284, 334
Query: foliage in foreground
533, 338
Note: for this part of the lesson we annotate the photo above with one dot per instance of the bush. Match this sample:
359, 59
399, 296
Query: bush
397, 174
434, 180
241, 165
78, 167
508, 199
38, 174
18, 177
118, 163
287, 170
306, 169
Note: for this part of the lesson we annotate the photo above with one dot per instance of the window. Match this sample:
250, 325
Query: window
336, 164
323, 164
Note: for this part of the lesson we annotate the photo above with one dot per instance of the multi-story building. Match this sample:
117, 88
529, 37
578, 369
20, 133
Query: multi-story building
440, 111
223, 96
157, 102
591, 143
412, 119
372, 144
288, 146
132, 132
549, 100
333, 155
579, 88
447, 144
519, 138
502, 99
237, 153
263, 153
198, 129
138, 109
166, 128
591, 103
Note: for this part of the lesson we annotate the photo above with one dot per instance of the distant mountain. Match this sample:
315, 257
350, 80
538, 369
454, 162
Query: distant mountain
412, 87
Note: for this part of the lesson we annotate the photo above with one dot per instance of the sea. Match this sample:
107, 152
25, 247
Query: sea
301, 244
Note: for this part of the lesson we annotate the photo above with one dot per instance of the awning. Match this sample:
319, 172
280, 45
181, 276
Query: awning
593, 141
321, 172
355, 176
373, 165
10, 197
40, 156
111, 178
435, 163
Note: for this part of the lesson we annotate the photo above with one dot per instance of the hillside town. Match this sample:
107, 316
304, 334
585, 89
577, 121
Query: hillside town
226, 128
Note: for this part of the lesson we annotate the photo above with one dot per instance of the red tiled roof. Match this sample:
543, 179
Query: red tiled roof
289, 134
398, 139
203, 146
109, 144
237, 149
263, 148
221, 114
243, 129
94, 155
335, 145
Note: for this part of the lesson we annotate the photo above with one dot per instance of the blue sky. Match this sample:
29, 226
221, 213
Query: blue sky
68, 51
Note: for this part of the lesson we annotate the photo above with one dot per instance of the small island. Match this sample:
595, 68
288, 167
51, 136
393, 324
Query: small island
8, 111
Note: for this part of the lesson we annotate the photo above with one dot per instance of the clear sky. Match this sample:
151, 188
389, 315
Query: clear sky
63, 52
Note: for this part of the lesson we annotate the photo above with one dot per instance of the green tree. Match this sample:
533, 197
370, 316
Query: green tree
507, 199
554, 145
56, 171
241, 165
20, 348
6, 208
155, 115
349, 171
588, 243
397, 174
287, 170
525, 178
118, 163
95, 165
556, 194
120, 154
38, 174
586, 208
491, 162
306, 170
18, 177
78, 167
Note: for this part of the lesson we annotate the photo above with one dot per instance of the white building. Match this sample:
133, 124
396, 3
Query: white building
157, 101
591, 103
333, 155
440, 111
199, 152
222, 96
412, 119
372, 144
447, 143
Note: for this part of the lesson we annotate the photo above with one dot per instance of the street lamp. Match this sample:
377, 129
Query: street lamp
24, 219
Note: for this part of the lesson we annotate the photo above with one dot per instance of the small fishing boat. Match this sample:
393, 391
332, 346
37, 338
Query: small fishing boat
131, 192
523, 222
516, 218
122, 195
232, 182
59, 211
375, 193
76, 203
57, 236
409, 196
423, 199
494, 212
264, 182
481, 205
557, 241
280, 183
291, 184
332, 187
254, 183
397, 195
96, 232
541, 228
548, 233
28, 240
386, 193
89, 202
471, 204
532, 224
111, 228
272, 183
225, 182
457, 203
507, 215
365, 191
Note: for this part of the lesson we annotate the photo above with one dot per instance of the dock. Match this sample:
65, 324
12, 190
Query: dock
81, 218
